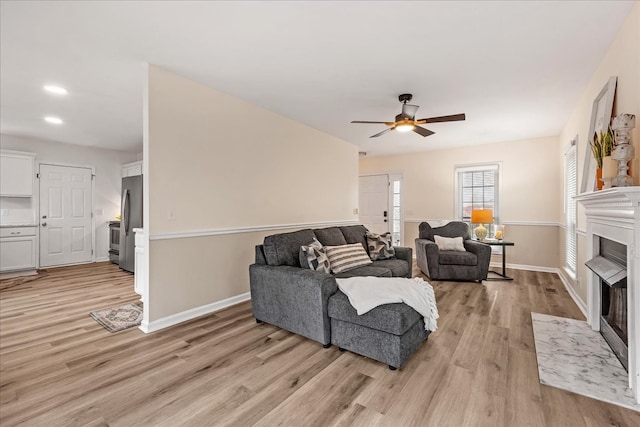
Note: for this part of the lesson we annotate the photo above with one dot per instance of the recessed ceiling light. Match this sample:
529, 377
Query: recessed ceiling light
55, 89
53, 120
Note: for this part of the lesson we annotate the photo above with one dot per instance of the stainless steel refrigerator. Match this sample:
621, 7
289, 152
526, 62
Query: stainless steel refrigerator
131, 218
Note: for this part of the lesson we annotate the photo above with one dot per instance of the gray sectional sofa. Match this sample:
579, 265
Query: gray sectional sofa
309, 303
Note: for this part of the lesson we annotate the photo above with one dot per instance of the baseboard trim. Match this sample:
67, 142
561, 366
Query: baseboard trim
526, 267
572, 293
237, 230
102, 259
174, 319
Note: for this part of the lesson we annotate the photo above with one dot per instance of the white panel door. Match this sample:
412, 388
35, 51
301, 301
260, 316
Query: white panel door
65, 215
374, 203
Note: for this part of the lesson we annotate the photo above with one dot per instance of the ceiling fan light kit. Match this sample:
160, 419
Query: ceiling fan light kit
406, 122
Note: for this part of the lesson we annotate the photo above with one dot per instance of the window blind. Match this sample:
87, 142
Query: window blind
477, 189
571, 187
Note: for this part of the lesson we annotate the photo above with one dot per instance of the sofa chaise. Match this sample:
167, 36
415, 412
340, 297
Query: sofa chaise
286, 294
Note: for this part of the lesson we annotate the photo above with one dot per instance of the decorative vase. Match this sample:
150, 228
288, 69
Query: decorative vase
623, 151
599, 181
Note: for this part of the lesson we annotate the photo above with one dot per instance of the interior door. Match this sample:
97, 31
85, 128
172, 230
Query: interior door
374, 203
65, 215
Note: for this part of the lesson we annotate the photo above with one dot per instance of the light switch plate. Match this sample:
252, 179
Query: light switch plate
4, 212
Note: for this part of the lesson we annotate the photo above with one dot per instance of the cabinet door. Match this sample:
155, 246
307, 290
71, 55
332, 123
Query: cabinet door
18, 253
132, 169
16, 175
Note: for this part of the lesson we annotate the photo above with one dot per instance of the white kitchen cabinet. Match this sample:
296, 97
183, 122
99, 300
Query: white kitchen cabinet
132, 169
140, 270
16, 174
18, 246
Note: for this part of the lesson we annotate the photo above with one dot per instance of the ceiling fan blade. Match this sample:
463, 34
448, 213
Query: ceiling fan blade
451, 118
409, 110
364, 121
381, 133
422, 131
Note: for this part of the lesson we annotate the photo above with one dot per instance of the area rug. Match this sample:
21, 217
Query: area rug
116, 319
575, 358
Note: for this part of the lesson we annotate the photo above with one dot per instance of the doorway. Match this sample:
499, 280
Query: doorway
381, 205
66, 223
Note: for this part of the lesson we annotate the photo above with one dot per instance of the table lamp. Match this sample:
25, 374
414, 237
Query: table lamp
481, 216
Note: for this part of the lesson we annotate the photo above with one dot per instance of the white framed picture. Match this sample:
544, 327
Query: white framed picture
600, 120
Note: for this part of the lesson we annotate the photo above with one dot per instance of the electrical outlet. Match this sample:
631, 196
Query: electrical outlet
355, 211
4, 212
172, 214
99, 212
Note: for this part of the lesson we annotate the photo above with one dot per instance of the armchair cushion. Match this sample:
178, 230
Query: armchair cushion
449, 243
457, 258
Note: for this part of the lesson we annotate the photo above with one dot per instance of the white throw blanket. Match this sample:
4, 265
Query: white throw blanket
366, 293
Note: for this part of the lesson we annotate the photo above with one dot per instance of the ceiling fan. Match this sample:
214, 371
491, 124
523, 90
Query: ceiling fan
406, 122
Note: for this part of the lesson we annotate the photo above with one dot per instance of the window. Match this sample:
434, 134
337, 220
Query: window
571, 187
396, 229
477, 188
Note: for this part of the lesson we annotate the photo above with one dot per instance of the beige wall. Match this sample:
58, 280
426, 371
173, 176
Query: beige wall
218, 162
530, 186
622, 60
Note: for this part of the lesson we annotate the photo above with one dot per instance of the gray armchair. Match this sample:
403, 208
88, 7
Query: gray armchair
451, 265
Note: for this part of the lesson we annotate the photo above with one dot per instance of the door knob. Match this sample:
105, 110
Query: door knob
44, 224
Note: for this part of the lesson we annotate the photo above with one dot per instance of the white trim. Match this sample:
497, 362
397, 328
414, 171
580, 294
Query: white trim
532, 223
253, 229
572, 293
523, 223
102, 259
581, 232
526, 267
174, 319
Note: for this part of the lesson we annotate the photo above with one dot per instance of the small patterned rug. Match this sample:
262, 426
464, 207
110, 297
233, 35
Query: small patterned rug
116, 319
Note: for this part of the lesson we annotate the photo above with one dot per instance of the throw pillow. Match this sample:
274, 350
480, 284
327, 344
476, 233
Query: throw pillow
450, 243
347, 257
316, 256
380, 246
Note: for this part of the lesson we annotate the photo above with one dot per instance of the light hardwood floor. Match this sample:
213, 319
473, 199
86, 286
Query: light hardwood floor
59, 367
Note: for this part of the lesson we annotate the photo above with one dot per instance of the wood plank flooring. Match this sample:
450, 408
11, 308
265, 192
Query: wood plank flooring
59, 367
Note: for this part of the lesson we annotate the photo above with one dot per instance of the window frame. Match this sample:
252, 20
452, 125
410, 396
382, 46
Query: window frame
460, 169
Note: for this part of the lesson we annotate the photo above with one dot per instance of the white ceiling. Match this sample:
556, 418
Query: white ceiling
515, 68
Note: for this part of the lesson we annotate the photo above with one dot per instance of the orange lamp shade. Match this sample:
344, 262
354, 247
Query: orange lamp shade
482, 216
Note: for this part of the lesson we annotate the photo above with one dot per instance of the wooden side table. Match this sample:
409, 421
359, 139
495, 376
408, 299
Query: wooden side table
504, 244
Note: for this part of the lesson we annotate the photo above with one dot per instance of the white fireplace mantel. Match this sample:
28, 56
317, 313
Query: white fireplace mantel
615, 214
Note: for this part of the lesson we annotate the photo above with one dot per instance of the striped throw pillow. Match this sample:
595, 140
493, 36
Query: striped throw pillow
346, 257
